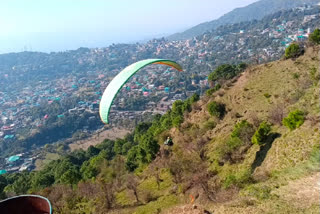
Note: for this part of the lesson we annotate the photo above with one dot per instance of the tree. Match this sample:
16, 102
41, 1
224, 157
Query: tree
242, 66
21, 184
3, 184
166, 122
243, 130
77, 157
293, 51
315, 36
140, 130
210, 91
106, 196
61, 167
294, 120
132, 184
194, 98
92, 151
216, 109
118, 146
224, 71
41, 180
177, 107
132, 162
72, 176
262, 133
150, 146
88, 171
177, 120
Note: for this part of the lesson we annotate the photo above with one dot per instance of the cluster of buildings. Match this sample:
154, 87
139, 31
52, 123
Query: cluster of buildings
158, 86
18, 163
16, 106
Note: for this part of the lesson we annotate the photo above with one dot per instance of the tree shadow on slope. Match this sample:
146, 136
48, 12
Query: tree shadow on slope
262, 153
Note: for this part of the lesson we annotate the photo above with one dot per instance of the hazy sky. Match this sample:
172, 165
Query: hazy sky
55, 25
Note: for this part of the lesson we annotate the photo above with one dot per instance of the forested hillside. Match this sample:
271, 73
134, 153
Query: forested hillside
255, 11
45, 92
242, 147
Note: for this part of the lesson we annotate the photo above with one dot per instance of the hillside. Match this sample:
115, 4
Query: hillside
50, 98
217, 161
255, 11
255, 178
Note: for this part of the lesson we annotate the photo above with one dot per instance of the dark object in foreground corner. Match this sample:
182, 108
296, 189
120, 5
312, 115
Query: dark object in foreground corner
26, 204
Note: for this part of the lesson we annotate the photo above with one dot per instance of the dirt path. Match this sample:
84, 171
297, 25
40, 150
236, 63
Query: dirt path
111, 134
185, 209
303, 192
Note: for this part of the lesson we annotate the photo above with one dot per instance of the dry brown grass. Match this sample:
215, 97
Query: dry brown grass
245, 97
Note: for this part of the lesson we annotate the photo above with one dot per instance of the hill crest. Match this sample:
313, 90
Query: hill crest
254, 11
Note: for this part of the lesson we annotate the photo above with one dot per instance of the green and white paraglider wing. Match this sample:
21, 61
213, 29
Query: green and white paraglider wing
118, 81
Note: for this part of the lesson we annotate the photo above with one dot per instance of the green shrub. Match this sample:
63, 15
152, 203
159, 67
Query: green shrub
233, 143
186, 107
88, 171
177, 120
226, 71
242, 66
315, 155
315, 36
295, 75
239, 179
216, 109
209, 125
150, 147
294, 120
261, 135
210, 91
314, 75
261, 192
241, 135
266, 95
166, 122
194, 98
217, 87
243, 130
293, 51
177, 107
230, 180
131, 163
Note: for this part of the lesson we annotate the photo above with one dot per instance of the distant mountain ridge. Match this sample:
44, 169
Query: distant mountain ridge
253, 11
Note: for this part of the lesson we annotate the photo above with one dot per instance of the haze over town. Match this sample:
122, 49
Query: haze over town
58, 25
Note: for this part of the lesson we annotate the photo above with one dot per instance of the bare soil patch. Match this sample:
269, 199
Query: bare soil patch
111, 134
303, 192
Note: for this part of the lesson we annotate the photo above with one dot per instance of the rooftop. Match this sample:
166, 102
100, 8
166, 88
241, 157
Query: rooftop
13, 158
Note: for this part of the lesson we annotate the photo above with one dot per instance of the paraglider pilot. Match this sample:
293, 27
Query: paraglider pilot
168, 142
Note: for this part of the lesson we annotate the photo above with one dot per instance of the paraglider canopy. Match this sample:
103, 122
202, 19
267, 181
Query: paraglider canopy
116, 84
34, 204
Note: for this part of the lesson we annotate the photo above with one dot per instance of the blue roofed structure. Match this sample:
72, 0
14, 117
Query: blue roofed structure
13, 158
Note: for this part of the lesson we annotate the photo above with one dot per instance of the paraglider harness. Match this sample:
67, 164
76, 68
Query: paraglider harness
168, 142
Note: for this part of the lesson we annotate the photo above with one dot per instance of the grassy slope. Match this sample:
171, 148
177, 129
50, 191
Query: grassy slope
280, 177
48, 157
292, 156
